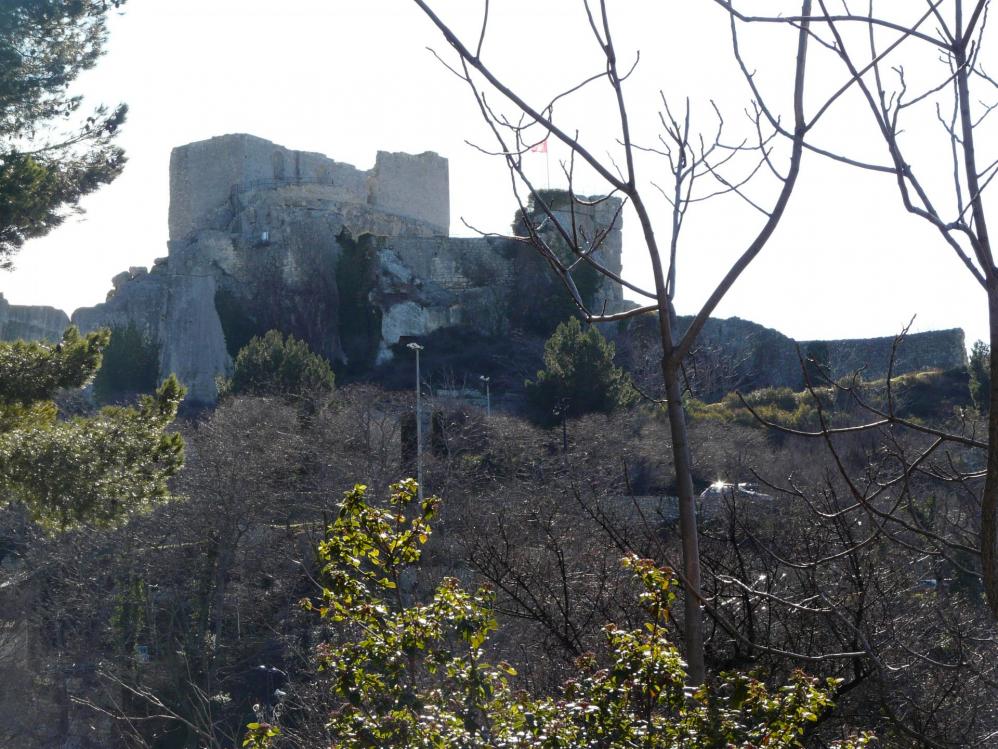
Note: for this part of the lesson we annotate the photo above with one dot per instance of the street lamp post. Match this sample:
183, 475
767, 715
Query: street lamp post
419, 425
488, 396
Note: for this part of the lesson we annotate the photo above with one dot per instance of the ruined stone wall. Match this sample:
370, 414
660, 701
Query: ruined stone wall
31, 323
454, 264
264, 229
417, 186
735, 354
600, 216
937, 349
205, 175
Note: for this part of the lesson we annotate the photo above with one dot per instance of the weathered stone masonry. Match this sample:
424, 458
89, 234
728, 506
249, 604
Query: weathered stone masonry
205, 175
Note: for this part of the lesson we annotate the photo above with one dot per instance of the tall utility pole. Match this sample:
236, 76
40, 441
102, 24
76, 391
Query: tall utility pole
419, 425
488, 396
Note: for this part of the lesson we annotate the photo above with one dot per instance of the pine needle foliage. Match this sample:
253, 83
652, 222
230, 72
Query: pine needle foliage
51, 153
275, 365
98, 469
579, 376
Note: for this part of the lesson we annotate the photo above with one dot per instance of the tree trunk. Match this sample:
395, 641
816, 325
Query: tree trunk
223, 565
692, 614
989, 502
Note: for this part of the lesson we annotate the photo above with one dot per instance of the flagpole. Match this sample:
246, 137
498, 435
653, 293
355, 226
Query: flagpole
542, 147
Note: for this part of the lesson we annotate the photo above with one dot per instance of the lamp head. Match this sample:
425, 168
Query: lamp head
414, 346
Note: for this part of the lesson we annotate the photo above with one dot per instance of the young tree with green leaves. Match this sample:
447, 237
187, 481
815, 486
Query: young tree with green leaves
408, 673
98, 469
50, 154
579, 376
275, 365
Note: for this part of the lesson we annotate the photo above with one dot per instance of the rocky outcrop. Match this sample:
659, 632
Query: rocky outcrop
353, 262
31, 323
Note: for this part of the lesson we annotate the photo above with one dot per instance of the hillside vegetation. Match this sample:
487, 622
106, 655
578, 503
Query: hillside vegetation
180, 628
931, 395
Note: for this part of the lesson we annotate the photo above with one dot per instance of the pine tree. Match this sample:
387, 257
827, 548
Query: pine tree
579, 375
273, 365
980, 375
50, 153
98, 469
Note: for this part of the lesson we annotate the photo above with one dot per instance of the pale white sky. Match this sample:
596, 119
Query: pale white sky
350, 77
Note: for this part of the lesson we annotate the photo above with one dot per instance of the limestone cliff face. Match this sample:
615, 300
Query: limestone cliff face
272, 265
31, 323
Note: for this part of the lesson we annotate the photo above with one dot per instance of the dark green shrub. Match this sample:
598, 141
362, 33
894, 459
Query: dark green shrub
359, 318
273, 365
579, 376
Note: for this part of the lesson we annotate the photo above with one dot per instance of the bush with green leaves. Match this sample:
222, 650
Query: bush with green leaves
417, 673
97, 469
275, 365
579, 376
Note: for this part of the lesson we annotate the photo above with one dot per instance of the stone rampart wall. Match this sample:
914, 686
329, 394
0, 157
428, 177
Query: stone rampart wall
937, 349
454, 264
600, 221
31, 323
733, 354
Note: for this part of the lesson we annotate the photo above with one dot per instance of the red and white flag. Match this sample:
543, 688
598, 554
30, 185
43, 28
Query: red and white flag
541, 147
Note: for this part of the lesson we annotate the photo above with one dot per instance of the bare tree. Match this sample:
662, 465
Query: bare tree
870, 563
944, 41
691, 160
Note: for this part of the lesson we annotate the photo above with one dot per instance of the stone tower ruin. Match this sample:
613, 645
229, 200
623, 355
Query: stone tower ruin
206, 175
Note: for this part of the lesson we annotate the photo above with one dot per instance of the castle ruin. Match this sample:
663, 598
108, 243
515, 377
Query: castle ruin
355, 262
261, 237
